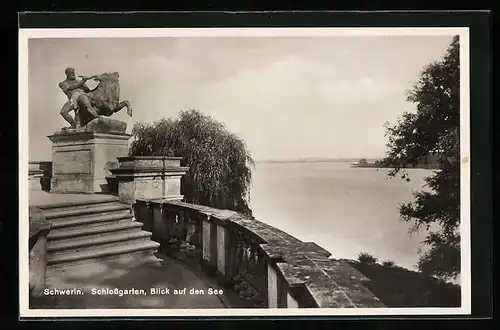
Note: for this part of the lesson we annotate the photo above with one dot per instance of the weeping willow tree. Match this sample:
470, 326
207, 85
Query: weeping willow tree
219, 164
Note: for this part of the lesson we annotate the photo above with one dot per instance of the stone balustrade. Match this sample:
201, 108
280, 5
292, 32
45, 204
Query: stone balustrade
264, 265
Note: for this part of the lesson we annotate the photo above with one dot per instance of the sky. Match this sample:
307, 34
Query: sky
286, 97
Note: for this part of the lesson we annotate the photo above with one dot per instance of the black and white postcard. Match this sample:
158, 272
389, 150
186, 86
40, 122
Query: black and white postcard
244, 172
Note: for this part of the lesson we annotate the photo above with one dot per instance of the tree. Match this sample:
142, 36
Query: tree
219, 164
433, 129
388, 263
367, 258
363, 161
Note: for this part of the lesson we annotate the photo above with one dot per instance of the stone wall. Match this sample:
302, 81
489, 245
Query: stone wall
39, 228
264, 265
40, 173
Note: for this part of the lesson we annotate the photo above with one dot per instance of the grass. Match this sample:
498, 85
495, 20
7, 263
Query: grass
396, 286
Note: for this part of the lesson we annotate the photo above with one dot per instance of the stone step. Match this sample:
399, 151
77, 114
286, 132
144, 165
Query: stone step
88, 266
97, 242
97, 234
101, 218
76, 204
69, 233
91, 209
100, 214
96, 224
116, 250
79, 207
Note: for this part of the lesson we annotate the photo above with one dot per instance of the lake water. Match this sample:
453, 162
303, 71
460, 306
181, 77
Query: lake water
345, 210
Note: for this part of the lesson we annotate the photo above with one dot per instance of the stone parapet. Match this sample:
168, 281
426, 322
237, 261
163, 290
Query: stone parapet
264, 265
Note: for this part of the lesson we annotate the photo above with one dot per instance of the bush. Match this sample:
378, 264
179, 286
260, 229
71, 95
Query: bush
400, 287
367, 258
219, 164
388, 263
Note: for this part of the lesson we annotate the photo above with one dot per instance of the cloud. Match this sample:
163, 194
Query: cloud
286, 97
296, 104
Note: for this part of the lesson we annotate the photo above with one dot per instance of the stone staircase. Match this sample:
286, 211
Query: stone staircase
90, 230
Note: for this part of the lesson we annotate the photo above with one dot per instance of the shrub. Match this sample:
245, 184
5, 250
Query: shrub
219, 164
388, 263
367, 258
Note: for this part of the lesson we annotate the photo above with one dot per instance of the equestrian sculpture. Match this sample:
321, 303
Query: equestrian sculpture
103, 100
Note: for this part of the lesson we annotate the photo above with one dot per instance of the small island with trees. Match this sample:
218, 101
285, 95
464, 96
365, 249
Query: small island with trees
427, 162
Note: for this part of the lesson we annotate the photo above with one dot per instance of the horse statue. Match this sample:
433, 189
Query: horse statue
103, 100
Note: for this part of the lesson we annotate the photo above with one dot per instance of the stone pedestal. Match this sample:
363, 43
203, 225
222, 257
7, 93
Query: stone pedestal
149, 177
81, 159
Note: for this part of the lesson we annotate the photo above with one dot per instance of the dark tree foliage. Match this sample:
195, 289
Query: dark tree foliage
433, 130
219, 164
363, 161
367, 258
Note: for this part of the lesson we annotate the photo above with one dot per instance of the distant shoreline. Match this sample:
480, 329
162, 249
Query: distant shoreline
371, 163
419, 166
314, 160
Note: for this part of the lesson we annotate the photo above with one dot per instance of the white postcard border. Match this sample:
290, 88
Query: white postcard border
26, 34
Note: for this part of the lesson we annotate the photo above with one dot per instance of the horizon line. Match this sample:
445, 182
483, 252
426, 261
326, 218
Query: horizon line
316, 159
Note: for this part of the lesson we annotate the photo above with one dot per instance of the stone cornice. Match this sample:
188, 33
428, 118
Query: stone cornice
131, 158
72, 136
137, 172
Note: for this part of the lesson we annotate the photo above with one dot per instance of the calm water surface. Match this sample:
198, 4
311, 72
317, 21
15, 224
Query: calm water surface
345, 210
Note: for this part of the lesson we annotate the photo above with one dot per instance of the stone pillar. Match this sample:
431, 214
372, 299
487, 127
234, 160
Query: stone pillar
46, 167
144, 214
231, 246
214, 251
149, 177
35, 175
169, 217
160, 227
282, 290
206, 249
209, 246
82, 158
291, 302
221, 250
272, 287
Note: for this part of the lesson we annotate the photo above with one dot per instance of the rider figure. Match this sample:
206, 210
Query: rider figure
74, 88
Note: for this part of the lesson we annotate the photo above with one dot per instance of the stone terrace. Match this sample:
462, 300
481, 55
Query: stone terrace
128, 272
